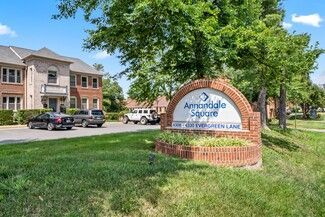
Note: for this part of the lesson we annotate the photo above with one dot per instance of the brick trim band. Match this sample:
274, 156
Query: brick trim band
221, 156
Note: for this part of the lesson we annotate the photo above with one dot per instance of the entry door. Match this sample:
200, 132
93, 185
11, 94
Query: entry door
53, 104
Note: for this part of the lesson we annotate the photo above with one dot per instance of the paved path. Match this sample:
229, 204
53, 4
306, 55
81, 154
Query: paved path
19, 134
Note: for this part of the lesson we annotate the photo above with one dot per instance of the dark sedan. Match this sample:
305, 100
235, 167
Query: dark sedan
51, 121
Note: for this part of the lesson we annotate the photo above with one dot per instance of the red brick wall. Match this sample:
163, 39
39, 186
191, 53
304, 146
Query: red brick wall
224, 156
89, 92
250, 120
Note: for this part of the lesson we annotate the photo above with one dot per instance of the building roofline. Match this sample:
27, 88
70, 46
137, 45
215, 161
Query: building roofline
39, 56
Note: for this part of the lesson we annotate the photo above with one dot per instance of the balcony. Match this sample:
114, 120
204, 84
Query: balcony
54, 90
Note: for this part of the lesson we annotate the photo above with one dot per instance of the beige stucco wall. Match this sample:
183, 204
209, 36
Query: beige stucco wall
37, 75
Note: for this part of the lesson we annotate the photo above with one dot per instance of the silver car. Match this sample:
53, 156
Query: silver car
89, 117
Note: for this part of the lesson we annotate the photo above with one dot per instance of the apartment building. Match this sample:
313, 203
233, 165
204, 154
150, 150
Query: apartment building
160, 104
33, 79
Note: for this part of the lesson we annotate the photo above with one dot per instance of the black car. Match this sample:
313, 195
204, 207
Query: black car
51, 121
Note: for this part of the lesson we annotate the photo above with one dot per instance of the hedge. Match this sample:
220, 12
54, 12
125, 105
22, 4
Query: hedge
115, 116
71, 111
22, 116
6, 117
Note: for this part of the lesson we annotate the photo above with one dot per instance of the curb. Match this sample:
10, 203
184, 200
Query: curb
12, 126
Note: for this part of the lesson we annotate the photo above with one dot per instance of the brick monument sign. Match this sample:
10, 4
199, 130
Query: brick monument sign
215, 108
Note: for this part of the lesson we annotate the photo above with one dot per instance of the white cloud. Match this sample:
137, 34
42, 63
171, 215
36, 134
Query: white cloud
6, 30
312, 19
286, 25
101, 55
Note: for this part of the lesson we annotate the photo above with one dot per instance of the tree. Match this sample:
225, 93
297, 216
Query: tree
171, 42
167, 43
296, 58
307, 95
113, 98
253, 51
99, 67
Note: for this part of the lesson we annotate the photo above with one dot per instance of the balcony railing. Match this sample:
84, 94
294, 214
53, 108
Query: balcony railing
47, 89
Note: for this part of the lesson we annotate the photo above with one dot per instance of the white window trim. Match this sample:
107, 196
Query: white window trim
75, 80
7, 82
7, 104
97, 103
76, 100
86, 80
93, 82
87, 107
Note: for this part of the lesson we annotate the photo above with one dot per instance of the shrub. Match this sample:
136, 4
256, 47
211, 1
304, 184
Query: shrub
71, 111
6, 117
22, 116
115, 116
200, 140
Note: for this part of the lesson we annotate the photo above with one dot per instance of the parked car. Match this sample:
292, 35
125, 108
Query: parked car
89, 117
51, 121
143, 116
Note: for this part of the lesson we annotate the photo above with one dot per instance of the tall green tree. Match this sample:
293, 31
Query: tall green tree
113, 98
296, 58
169, 42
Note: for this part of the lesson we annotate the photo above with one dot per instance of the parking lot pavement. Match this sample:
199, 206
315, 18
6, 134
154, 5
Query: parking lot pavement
18, 135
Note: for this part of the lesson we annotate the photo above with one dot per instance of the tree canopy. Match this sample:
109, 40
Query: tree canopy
169, 41
166, 43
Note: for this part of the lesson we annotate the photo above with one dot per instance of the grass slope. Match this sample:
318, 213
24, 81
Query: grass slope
109, 176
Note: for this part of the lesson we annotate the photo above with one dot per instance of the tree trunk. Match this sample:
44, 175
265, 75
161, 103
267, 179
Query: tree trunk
282, 107
305, 111
261, 104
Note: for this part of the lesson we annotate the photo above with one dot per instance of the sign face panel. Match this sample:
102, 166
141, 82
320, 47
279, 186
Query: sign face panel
207, 109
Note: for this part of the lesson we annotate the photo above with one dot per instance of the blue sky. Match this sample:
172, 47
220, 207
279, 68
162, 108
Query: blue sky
30, 26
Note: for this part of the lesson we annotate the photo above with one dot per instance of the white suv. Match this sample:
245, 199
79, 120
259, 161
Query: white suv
143, 116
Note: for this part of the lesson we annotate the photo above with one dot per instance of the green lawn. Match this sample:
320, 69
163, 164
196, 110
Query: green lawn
309, 124
109, 176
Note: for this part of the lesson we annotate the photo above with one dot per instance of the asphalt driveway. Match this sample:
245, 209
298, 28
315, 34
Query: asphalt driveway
18, 135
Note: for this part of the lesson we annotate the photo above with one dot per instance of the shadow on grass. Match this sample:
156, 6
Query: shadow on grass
279, 140
98, 178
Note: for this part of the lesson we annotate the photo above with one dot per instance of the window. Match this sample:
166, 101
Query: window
17, 103
18, 76
95, 83
145, 111
72, 80
84, 81
95, 103
4, 75
11, 75
11, 103
85, 112
73, 102
52, 77
140, 111
4, 103
97, 112
84, 103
